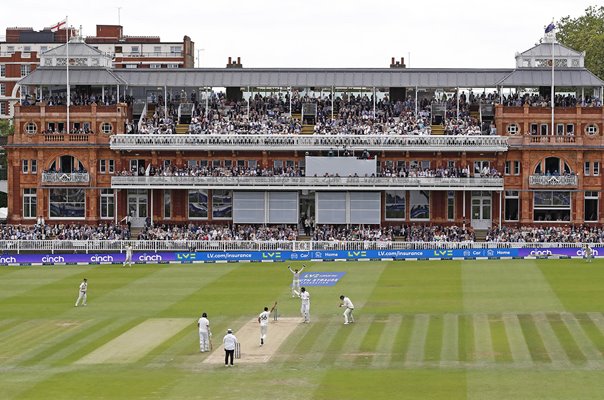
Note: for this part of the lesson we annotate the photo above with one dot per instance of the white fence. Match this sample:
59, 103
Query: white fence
96, 246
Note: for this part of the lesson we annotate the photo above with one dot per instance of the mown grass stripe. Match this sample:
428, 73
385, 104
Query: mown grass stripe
320, 344
482, 339
533, 339
598, 320
96, 340
434, 338
49, 353
595, 335
516, 340
8, 324
499, 339
25, 338
47, 346
368, 348
304, 346
550, 340
565, 338
450, 348
351, 350
385, 344
588, 349
417, 343
402, 340
466, 338
334, 348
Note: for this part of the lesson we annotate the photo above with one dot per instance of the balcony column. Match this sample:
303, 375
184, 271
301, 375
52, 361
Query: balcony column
463, 205
165, 101
207, 100
457, 104
332, 101
103, 94
152, 209
115, 203
374, 102
289, 93
500, 196
248, 102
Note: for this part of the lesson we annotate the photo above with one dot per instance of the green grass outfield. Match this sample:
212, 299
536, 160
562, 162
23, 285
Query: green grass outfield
510, 329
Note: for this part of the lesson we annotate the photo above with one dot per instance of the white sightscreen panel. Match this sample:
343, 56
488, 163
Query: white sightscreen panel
248, 208
283, 207
419, 203
331, 207
343, 166
365, 207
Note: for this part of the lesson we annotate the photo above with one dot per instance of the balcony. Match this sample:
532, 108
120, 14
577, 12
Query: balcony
553, 181
309, 142
65, 178
304, 183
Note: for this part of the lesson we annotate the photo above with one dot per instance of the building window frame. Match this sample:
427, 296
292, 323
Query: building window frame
511, 197
591, 129
31, 128
25, 166
517, 167
396, 208
33, 166
596, 168
2, 89
107, 209
586, 168
450, 206
30, 203
591, 201
102, 166
513, 128
507, 170
167, 204
107, 128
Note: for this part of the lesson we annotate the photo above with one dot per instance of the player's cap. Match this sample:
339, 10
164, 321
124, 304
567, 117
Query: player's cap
229, 330
342, 297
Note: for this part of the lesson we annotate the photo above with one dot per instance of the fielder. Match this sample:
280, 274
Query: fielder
348, 317
588, 253
204, 333
82, 293
263, 321
296, 281
128, 259
305, 307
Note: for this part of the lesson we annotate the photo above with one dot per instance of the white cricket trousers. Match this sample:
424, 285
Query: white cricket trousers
204, 341
296, 288
305, 311
82, 297
348, 317
263, 330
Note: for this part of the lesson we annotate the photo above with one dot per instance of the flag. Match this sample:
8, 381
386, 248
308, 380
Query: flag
58, 26
550, 27
148, 170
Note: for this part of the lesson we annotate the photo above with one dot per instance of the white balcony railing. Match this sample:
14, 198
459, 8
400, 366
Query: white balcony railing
64, 177
303, 183
309, 142
551, 180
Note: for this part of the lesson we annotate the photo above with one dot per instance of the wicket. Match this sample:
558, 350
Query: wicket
237, 350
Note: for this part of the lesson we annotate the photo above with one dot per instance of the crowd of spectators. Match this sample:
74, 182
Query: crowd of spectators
42, 231
219, 232
553, 234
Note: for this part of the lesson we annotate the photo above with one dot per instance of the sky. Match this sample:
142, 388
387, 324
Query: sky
320, 33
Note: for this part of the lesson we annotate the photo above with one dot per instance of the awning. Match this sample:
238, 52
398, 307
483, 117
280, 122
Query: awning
77, 76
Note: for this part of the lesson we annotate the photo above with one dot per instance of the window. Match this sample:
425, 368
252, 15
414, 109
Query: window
216, 163
560, 129
252, 164
512, 129
67, 203
31, 128
106, 128
111, 168
102, 166
228, 164
586, 168
222, 204
2, 89
10, 49
171, 66
277, 165
534, 129
198, 204
175, 49
34, 166
30, 203
192, 163
481, 167
551, 206
591, 207
596, 168
2, 71
395, 204
2, 108
419, 201
544, 129
450, 206
516, 167
27, 49
130, 66
43, 49
25, 166
107, 204
24, 69
118, 49
167, 163
167, 204
512, 205
155, 66
507, 168
135, 49
157, 50
570, 129
591, 129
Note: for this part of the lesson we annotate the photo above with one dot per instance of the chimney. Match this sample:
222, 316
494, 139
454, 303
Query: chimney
398, 64
234, 64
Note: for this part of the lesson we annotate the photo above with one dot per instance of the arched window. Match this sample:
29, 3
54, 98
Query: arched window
552, 166
66, 164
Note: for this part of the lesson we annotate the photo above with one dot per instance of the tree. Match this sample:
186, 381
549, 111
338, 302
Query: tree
6, 128
586, 33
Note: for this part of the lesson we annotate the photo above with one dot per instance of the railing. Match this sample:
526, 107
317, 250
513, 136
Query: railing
552, 180
165, 54
95, 246
310, 183
552, 139
64, 177
310, 142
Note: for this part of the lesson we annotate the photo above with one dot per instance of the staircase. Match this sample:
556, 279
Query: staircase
150, 111
308, 129
182, 128
481, 235
438, 129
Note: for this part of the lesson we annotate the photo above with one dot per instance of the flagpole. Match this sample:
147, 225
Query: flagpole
67, 69
553, 64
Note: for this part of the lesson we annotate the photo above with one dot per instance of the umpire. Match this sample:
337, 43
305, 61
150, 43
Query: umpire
230, 342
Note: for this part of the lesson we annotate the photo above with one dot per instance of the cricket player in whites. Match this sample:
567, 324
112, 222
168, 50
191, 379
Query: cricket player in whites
348, 317
128, 259
263, 321
204, 333
82, 293
305, 307
296, 281
588, 253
